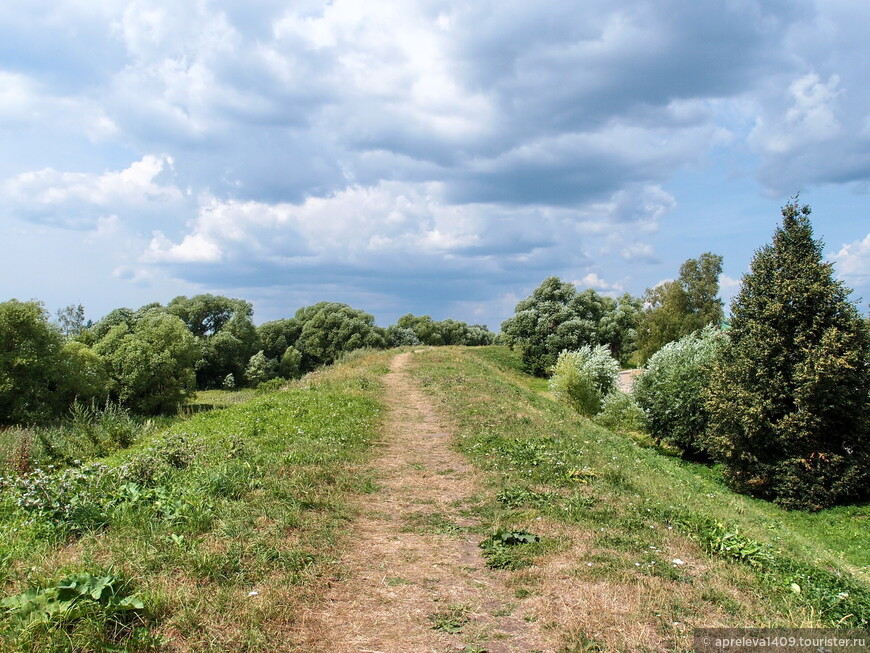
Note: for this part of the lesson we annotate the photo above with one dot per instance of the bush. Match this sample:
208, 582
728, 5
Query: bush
670, 391
291, 364
260, 369
584, 377
620, 412
788, 397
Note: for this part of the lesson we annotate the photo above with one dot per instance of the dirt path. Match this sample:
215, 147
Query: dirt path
411, 562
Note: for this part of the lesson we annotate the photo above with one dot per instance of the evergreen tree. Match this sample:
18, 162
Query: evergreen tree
788, 396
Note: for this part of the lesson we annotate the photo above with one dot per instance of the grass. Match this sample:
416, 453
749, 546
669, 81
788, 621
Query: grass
632, 512
222, 526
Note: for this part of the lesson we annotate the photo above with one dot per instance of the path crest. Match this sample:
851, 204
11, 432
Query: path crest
410, 556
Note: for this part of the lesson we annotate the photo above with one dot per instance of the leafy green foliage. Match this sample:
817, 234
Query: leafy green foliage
584, 377
150, 367
788, 397
276, 336
537, 453
329, 328
620, 412
500, 552
206, 315
556, 318
29, 361
427, 331
82, 375
290, 366
839, 599
398, 336
670, 391
81, 612
245, 477
71, 321
452, 619
71, 598
678, 308
260, 369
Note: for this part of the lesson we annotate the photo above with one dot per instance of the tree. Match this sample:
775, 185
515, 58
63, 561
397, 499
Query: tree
431, 332
399, 336
330, 328
71, 320
151, 365
82, 375
678, 308
291, 364
277, 335
29, 357
556, 317
788, 396
225, 331
205, 315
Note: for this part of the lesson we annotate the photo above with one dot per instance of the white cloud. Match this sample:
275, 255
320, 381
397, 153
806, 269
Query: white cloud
853, 261
811, 118
592, 280
82, 200
728, 288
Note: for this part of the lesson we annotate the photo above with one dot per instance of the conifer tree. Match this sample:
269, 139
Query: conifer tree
789, 395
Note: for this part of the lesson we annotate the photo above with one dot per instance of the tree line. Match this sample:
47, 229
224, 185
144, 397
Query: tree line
150, 360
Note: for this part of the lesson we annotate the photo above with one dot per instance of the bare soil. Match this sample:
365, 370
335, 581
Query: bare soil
412, 560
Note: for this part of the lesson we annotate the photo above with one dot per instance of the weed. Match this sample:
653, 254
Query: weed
507, 549
451, 619
78, 602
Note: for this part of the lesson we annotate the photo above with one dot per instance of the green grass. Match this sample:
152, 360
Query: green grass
544, 460
221, 526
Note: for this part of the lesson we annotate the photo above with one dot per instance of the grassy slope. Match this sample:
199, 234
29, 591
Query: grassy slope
635, 503
838, 536
223, 526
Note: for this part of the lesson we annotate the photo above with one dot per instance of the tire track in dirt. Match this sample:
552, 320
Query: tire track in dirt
410, 556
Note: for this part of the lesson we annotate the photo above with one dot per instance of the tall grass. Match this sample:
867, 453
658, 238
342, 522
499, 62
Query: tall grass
88, 431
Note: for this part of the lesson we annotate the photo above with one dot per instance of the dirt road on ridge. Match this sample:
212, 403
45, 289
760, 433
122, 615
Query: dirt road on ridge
410, 562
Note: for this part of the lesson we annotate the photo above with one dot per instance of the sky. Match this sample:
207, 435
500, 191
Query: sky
434, 157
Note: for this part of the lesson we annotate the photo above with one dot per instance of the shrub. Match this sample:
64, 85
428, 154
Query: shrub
399, 336
620, 412
291, 364
260, 369
584, 377
788, 397
670, 391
